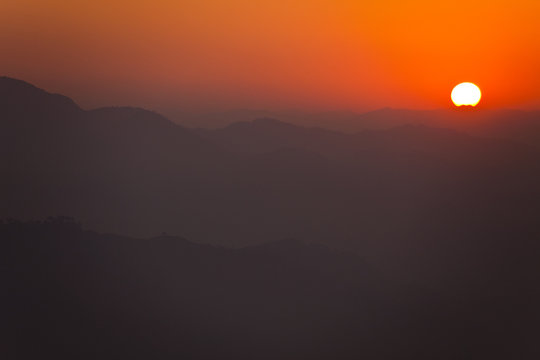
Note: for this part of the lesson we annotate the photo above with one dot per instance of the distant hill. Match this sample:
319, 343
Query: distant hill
268, 135
505, 124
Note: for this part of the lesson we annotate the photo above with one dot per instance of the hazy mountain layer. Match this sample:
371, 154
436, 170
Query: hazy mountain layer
79, 294
410, 197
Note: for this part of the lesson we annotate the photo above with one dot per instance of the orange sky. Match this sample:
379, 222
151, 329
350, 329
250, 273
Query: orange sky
207, 55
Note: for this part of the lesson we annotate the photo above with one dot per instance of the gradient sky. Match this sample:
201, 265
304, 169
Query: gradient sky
212, 55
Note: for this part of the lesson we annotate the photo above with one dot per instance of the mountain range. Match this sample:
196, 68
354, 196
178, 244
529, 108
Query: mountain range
411, 232
387, 194
521, 125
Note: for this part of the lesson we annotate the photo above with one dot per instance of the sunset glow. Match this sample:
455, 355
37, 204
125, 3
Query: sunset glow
213, 55
270, 179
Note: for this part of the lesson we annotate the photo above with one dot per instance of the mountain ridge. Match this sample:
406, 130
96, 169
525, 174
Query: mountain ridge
133, 172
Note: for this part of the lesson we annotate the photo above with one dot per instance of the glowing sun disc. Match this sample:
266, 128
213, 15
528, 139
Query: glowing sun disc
466, 94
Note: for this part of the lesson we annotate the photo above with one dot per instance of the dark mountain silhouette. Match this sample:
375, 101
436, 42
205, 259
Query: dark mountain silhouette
80, 294
440, 207
67, 160
20, 98
134, 172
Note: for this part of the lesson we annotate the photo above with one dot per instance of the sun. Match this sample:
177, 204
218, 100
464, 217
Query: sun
466, 94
